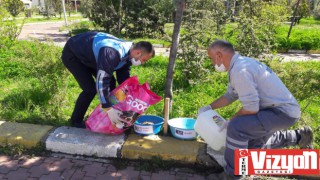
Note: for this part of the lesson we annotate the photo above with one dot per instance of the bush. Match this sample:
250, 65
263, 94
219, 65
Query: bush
9, 30
256, 24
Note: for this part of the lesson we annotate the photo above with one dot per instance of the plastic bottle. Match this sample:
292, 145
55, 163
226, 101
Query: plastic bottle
208, 125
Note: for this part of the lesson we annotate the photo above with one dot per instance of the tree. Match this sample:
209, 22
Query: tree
316, 9
85, 8
140, 18
14, 7
143, 18
9, 30
106, 14
256, 26
180, 5
57, 4
200, 29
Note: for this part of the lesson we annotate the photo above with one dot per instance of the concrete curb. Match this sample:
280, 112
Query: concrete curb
75, 141
83, 142
28, 135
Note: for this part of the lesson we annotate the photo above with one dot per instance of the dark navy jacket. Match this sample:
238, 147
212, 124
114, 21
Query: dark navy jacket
106, 54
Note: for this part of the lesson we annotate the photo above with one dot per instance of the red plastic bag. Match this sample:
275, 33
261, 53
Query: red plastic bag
129, 97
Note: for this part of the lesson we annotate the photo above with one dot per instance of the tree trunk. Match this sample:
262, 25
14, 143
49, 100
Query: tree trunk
293, 18
174, 48
120, 17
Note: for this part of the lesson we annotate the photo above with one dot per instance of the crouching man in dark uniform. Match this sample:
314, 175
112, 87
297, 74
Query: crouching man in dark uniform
99, 55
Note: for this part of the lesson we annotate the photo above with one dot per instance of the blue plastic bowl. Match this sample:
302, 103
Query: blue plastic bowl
148, 129
182, 128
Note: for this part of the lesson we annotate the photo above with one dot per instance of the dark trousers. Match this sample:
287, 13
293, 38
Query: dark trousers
85, 76
266, 129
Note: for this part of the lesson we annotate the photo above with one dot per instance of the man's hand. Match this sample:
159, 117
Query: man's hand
203, 109
224, 126
114, 116
105, 110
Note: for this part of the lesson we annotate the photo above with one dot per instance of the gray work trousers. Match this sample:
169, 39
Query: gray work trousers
266, 129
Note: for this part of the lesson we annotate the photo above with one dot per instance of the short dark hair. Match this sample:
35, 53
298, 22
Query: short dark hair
144, 46
223, 44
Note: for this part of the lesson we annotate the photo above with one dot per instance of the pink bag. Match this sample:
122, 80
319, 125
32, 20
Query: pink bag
129, 97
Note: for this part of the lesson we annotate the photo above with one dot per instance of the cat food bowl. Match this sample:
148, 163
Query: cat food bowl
148, 124
182, 128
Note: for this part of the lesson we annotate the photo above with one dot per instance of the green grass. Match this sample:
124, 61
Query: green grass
304, 36
309, 21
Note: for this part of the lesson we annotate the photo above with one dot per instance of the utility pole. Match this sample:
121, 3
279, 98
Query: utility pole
64, 13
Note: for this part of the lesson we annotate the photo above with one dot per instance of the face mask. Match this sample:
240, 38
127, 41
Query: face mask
220, 68
134, 62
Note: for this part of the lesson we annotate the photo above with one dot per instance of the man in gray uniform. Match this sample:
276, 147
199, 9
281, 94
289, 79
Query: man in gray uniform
268, 108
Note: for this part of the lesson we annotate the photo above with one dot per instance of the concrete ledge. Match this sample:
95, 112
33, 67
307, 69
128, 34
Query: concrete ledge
28, 135
167, 148
83, 142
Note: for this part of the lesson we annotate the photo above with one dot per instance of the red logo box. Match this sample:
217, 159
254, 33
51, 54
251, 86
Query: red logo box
276, 162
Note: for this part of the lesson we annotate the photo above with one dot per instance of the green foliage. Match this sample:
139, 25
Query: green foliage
85, 8
303, 9
83, 26
143, 18
14, 7
256, 24
200, 29
138, 18
303, 79
302, 37
107, 14
9, 30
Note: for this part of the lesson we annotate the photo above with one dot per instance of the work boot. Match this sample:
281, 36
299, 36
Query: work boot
306, 137
80, 125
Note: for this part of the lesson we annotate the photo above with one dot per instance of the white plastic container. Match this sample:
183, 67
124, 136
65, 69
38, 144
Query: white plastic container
207, 126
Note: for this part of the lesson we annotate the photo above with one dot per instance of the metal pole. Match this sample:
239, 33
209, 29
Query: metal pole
64, 13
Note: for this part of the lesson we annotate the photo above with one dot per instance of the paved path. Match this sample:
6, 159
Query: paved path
44, 32
59, 167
